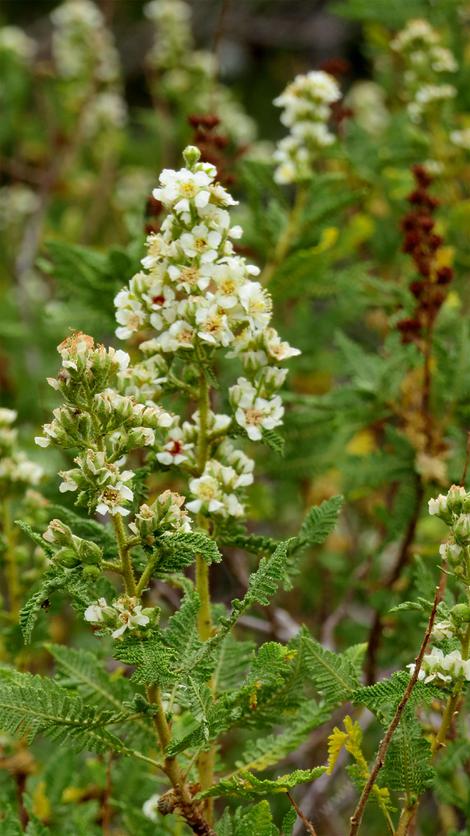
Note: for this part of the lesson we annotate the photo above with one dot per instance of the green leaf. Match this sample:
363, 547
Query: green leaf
247, 785
267, 579
35, 536
181, 630
53, 580
154, 662
333, 674
30, 705
256, 820
407, 767
275, 441
180, 550
270, 749
81, 670
320, 521
10, 824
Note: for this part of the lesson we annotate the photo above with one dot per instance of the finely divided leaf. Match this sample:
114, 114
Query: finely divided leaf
247, 785
320, 521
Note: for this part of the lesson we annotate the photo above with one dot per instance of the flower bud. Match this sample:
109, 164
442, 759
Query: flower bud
91, 571
462, 529
67, 557
89, 552
191, 155
59, 533
438, 507
460, 613
141, 437
451, 552
456, 499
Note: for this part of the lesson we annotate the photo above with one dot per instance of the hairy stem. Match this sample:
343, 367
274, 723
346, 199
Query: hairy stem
206, 760
190, 810
124, 555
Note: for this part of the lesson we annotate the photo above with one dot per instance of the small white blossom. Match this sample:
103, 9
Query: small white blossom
98, 611
442, 668
130, 615
150, 807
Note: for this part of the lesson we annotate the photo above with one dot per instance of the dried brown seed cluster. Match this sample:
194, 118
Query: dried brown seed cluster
422, 243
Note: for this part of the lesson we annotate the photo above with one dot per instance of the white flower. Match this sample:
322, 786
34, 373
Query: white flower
450, 551
150, 807
179, 335
7, 416
438, 506
278, 349
111, 498
461, 138
213, 325
179, 187
176, 449
442, 630
14, 40
253, 412
257, 304
306, 104
130, 315
130, 615
443, 668
96, 612
207, 491
68, 481
201, 243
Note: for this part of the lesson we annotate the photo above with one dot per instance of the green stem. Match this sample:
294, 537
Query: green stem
124, 555
285, 240
203, 408
202, 585
110, 566
146, 575
206, 760
11, 567
190, 810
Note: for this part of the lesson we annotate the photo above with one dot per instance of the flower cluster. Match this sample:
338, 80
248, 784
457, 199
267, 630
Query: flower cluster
187, 75
198, 295
425, 60
437, 666
165, 516
14, 42
82, 45
454, 509
123, 614
306, 104
84, 53
71, 551
17, 203
102, 424
16, 470
443, 668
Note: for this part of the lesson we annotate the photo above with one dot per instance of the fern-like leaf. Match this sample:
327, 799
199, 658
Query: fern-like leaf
247, 785
333, 674
30, 705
